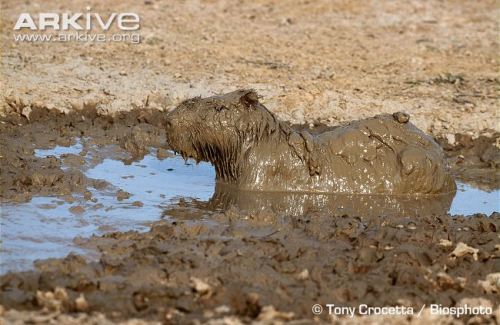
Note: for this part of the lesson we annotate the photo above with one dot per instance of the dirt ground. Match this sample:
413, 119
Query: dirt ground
327, 61
313, 62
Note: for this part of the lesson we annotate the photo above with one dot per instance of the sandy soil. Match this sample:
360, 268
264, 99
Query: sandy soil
328, 61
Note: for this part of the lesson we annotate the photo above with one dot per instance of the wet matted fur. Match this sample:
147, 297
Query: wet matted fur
251, 149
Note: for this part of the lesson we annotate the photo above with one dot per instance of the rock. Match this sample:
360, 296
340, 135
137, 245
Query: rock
81, 303
491, 284
26, 111
268, 313
200, 286
450, 137
222, 309
445, 243
445, 281
53, 301
87, 195
463, 249
304, 275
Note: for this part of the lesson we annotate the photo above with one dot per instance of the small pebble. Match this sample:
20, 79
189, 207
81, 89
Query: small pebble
304, 275
81, 303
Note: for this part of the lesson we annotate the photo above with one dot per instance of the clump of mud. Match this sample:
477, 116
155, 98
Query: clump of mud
475, 161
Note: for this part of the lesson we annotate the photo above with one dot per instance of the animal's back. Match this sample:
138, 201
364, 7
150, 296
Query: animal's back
384, 154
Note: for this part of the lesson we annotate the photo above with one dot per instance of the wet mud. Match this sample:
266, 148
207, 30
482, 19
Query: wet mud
24, 174
183, 270
475, 161
236, 253
251, 149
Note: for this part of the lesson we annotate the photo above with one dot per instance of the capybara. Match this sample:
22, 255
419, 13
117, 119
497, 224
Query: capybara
253, 150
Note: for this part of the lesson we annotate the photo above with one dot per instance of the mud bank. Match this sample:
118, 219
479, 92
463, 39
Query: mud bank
213, 259
475, 161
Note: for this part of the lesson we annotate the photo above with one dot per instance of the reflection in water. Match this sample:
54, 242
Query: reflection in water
296, 204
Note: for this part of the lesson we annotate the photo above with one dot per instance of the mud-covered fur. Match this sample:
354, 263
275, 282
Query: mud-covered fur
251, 149
220, 129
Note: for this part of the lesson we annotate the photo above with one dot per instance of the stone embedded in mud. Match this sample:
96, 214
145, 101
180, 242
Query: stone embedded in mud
445, 281
304, 275
53, 301
201, 286
464, 249
253, 150
491, 284
270, 314
81, 303
445, 243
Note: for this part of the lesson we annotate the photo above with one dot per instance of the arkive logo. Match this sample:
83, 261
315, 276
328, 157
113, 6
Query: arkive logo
125, 21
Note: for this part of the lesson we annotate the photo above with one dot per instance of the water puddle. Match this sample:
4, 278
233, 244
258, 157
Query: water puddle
470, 200
46, 226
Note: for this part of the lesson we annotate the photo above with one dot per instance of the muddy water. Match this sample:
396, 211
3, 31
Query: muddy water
469, 200
46, 226
141, 192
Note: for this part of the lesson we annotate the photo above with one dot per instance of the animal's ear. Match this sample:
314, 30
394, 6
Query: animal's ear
249, 98
219, 107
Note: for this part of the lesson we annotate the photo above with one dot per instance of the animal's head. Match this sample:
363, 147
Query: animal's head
218, 128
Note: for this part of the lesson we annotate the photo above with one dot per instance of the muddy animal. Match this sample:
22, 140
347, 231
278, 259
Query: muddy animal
252, 149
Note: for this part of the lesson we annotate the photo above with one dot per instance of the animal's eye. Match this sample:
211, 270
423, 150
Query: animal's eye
219, 108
